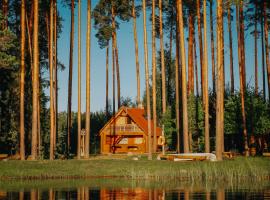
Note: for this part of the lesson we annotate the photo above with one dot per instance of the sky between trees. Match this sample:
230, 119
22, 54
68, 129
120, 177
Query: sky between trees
127, 58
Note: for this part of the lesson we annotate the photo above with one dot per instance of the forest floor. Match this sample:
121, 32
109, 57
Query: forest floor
239, 169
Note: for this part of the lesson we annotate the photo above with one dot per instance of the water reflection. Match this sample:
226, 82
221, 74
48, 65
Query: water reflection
130, 192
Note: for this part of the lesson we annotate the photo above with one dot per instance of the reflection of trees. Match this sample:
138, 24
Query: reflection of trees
33, 194
51, 194
21, 195
83, 193
220, 194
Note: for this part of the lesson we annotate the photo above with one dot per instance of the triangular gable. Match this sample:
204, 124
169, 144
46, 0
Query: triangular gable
112, 119
137, 115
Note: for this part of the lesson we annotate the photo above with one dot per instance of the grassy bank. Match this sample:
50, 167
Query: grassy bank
229, 170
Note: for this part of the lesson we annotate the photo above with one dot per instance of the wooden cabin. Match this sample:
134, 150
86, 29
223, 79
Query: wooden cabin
126, 131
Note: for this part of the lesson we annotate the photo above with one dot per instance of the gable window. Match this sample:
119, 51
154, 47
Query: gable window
128, 120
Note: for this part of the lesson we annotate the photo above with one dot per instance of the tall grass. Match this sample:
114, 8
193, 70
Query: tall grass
226, 171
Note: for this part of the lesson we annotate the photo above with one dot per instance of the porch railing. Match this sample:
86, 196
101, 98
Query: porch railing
124, 128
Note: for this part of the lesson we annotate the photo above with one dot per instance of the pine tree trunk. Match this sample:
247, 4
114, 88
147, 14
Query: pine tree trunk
200, 41
35, 82
52, 113
147, 83
177, 107
239, 21
55, 74
88, 67
231, 50
190, 66
205, 89
220, 85
242, 36
163, 73
190, 55
69, 123
177, 104
154, 93
113, 75
117, 72
196, 67
184, 84
136, 54
223, 51
212, 48
243, 55
107, 82
79, 82
29, 39
263, 58
266, 45
38, 119
114, 39
22, 82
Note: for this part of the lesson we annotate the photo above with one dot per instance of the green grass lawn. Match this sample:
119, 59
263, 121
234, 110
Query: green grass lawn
229, 170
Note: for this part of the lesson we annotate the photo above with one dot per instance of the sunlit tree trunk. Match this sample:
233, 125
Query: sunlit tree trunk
190, 86
55, 74
147, 83
79, 82
163, 73
117, 71
200, 41
205, 89
220, 86
114, 40
70, 77
184, 84
52, 113
266, 45
190, 54
240, 27
177, 107
136, 54
154, 93
113, 75
231, 49
107, 81
212, 48
35, 82
22, 81
88, 67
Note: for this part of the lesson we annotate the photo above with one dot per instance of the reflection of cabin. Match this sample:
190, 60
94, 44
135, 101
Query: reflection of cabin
126, 131
131, 194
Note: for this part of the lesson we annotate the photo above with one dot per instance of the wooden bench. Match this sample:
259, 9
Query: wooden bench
266, 154
3, 156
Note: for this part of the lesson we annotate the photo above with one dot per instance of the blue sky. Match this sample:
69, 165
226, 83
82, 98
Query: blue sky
127, 60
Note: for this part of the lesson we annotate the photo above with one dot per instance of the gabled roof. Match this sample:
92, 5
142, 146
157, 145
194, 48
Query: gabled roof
137, 115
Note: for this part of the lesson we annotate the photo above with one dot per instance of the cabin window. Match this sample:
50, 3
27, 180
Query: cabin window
123, 141
138, 140
128, 120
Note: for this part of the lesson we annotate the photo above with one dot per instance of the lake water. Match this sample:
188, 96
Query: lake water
112, 189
